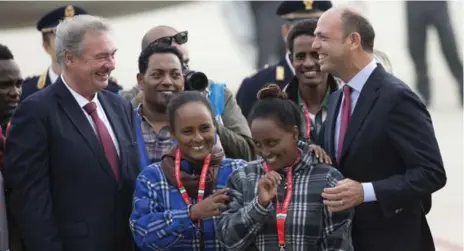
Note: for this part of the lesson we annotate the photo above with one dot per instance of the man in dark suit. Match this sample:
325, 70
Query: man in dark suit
282, 72
382, 138
71, 160
47, 26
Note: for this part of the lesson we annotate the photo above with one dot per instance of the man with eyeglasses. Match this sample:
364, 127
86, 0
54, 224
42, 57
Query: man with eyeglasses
47, 26
234, 133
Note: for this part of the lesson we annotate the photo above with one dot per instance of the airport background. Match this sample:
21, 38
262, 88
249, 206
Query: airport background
221, 45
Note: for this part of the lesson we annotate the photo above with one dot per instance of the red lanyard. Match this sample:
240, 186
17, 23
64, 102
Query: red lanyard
308, 120
180, 185
281, 210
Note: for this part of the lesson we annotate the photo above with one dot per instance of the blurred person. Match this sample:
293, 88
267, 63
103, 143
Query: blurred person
71, 157
420, 16
47, 26
382, 138
269, 42
234, 134
275, 202
281, 73
10, 90
177, 200
310, 88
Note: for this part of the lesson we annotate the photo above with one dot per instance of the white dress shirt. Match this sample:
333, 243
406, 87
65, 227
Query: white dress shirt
356, 84
101, 113
52, 75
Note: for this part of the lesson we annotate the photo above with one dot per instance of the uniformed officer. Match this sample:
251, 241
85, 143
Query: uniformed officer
281, 73
47, 25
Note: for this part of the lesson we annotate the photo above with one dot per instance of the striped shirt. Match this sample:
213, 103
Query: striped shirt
160, 218
309, 225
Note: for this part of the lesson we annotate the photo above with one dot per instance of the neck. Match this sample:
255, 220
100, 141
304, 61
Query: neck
4, 120
87, 94
314, 96
356, 66
152, 114
291, 160
56, 68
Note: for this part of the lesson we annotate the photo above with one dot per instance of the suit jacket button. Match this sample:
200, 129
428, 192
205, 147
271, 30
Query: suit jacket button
397, 211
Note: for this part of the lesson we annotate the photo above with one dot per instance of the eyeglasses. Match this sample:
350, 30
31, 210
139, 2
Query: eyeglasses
179, 38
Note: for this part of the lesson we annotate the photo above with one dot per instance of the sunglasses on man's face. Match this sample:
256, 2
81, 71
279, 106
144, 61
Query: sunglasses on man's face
179, 38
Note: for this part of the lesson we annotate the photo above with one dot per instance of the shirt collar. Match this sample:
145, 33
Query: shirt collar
52, 75
289, 63
79, 98
360, 79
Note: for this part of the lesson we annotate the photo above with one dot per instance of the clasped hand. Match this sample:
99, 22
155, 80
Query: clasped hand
211, 206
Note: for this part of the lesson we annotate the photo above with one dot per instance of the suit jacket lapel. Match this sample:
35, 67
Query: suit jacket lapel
331, 120
80, 121
365, 102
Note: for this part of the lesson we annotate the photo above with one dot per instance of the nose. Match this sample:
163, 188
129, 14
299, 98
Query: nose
316, 44
111, 63
197, 137
14, 91
167, 81
309, 62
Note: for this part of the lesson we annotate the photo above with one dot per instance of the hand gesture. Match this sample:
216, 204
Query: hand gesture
211, 206
267, 187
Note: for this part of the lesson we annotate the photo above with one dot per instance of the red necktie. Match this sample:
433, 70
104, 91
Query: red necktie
105, 138
344, 119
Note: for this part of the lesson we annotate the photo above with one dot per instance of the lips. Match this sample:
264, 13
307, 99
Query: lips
310, 74
198, 148
270, 159
103, 76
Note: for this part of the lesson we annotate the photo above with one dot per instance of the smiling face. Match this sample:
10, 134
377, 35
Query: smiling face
95, 63
276, 145
10, 88
162, 79
194, 130
331, 44
305, 62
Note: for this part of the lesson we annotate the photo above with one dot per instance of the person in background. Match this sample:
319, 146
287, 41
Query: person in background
71, 158
177, 200
233, 131
269, 44
382, 138
47, 26
309, 88
420, 16
281, 192
10, 91
281, 73
160, 76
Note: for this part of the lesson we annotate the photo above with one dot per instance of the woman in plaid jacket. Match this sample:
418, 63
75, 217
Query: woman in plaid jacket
276, 202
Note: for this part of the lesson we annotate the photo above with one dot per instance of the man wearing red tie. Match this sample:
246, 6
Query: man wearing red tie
71, 160
382, 138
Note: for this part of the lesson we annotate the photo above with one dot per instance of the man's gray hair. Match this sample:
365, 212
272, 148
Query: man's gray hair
70, 33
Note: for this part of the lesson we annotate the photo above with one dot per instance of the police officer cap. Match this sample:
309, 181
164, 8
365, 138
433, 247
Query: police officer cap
297, 10
49, 22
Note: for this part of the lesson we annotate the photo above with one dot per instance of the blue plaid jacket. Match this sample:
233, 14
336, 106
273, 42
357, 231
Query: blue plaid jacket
160, 221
